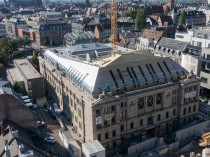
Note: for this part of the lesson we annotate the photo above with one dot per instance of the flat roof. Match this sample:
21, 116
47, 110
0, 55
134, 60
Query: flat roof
13, 75
93, 146
26, 69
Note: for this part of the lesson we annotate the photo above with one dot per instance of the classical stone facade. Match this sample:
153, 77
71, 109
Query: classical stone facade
123, 98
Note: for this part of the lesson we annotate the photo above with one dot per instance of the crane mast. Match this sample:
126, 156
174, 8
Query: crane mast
113, 6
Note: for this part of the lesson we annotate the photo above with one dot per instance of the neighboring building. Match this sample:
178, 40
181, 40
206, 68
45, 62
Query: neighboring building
103, 31
184, 36
13, 25
75, 38
2, 30
123, 98
127, 38
125, 23
165, 21
191, 59
93, 148
52, 34
194, 18
149, 39
167, 47
197, 36
205, 72
25, 3
16, 142
13, 108
33, 81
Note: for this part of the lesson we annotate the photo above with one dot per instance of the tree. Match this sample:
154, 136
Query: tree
19, 41
1, 68
14, 44
140, 21
182, 18
26, 41
35, 60
130, 13
16, 54
18, 89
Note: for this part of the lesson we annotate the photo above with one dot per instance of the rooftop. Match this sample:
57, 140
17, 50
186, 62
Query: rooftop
93, 147
114, 71
26, 69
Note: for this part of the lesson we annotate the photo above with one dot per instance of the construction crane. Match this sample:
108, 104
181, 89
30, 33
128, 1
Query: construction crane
113, 6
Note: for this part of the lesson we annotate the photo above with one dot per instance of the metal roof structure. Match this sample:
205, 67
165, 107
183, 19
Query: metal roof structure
116, 71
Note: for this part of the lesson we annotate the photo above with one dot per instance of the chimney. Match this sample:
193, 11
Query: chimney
15, 133
7, 151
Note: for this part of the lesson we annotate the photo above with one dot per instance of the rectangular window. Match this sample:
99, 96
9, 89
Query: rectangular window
174, 111
189, 109
204, 80
114, 133
114, 145
159, 117
122, 127
149, 100
141, 122
159, 98
131, 125
167, 114
184, 111
194, 108
113, 108
141, 103
99, 137
205, 36
98, 112
106, 135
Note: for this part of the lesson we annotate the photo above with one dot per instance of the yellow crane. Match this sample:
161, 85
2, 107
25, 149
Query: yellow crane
113, 6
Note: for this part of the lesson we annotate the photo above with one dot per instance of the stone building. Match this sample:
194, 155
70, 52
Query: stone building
123, 98
52, 34
13, 108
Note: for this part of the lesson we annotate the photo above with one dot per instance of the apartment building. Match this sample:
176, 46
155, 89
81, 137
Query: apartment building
12, 26
198, 36
205, 72
52, 34
168, 47
33, 81
122, 98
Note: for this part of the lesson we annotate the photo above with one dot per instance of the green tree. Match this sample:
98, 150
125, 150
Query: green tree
19, 41
140, 21
18, 89
182, 18
26, 41
130, 13
35, 60
16, 54
14, 44
1, 68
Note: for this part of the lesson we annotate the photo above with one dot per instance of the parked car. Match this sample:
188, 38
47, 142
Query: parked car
49, 139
